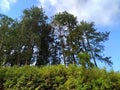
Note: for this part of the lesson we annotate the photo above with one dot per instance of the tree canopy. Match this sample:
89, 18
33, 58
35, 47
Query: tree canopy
39, 40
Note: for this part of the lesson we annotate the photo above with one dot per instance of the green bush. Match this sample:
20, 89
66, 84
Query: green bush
58, 78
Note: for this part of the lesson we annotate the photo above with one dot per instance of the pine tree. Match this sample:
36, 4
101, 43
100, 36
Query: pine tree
91, 42
36, 30
64, 23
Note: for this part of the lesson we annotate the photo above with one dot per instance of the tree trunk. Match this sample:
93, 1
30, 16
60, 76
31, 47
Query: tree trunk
92, 54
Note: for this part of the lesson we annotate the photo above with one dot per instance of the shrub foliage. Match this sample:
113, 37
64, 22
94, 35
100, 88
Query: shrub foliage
58, 78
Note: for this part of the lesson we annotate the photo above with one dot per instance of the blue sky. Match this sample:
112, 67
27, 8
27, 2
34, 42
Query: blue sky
105, 14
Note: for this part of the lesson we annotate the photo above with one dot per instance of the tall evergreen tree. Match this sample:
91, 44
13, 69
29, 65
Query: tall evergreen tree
37, 36
64, 23
91, 42
8, 28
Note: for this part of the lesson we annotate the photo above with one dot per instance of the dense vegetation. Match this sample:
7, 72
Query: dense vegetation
64, 52
58, 78
37, 39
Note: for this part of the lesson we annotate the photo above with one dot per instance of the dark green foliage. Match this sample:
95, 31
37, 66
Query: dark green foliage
8, 29
84, 60
74, 38
88, 40
27, 41
64, 23
58, 78
36, 32
37, 40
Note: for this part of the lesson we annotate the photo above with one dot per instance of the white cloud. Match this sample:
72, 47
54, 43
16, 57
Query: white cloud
100, 11
5, 4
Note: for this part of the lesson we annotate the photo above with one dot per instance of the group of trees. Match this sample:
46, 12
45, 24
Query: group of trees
37, 39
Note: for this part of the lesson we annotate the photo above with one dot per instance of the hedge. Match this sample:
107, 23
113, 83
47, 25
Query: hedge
58, 78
